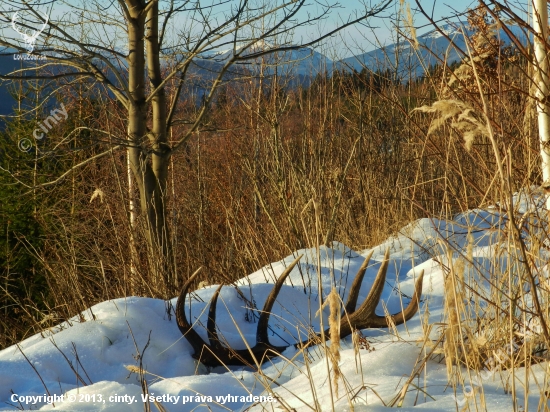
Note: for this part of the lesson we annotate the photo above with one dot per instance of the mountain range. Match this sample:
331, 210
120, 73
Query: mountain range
433, 48
305, 63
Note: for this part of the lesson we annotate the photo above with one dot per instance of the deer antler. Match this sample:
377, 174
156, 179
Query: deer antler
215, 354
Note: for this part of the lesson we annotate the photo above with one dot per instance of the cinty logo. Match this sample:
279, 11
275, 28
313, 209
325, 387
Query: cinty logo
25, 144
28, 35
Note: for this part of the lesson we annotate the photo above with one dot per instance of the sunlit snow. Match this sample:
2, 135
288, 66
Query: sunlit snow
86, 358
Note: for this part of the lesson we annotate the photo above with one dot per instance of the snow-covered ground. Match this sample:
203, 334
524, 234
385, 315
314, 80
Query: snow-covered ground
91, 360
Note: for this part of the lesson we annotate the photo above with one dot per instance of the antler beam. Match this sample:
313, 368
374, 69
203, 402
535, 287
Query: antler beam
215, 354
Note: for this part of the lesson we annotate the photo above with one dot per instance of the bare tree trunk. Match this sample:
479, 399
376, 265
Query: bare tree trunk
150, 173
540, 22
161, 152
132, 224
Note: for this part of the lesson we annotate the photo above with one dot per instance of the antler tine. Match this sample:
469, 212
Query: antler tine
183, 325
412, 307
211, 325
370, 303
407, 313
261, 333
356, 285
361, 318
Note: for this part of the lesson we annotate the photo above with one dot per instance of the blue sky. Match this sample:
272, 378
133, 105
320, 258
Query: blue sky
379, 30
353, 40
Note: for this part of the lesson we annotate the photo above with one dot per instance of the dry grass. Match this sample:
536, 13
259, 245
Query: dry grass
240, 195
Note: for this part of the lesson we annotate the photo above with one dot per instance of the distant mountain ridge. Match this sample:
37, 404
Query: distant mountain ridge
303, 64
433, 48
303, 61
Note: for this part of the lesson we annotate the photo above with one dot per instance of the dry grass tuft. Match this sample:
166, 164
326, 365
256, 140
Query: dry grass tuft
463, 118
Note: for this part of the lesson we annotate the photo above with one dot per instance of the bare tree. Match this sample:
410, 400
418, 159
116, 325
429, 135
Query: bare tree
134, 49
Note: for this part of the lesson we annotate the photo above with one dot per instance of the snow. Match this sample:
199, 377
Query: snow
89, 358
